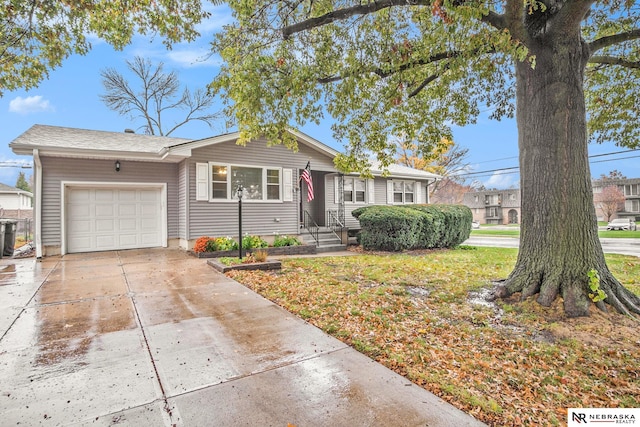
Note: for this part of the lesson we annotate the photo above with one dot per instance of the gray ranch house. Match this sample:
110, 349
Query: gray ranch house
97, 191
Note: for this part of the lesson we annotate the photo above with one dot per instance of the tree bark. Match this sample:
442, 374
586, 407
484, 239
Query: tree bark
559, 232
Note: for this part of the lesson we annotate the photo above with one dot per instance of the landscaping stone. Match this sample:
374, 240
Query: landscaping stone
265, 265
271, 251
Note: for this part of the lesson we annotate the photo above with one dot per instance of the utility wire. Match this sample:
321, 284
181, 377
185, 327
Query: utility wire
513, 168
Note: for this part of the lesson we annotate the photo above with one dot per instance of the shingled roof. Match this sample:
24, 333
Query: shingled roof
62, 138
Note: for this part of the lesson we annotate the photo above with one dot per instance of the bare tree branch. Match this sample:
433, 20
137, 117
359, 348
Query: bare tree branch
607, 41
157, 96
612, 60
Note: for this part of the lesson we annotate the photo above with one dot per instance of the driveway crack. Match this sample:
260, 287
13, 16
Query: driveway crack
169, 411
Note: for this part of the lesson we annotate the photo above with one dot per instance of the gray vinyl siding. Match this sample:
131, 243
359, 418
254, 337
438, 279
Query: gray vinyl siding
220, 218
183, 183
351, 222
56, 170
380, 194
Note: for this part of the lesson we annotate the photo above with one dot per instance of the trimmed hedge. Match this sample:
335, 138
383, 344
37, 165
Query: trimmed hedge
389, 228
396, 228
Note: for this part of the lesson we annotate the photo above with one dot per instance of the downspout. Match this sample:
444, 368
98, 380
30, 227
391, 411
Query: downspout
428, 184
37, 211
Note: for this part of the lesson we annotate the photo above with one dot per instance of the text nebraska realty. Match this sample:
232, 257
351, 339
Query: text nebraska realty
604, 418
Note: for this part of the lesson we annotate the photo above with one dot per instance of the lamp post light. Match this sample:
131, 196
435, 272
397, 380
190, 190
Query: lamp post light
239, 192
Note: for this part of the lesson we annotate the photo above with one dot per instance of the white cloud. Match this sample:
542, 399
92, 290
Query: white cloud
501, 181
30, 104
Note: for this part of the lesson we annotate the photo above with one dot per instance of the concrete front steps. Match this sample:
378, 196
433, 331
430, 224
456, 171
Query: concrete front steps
327, 240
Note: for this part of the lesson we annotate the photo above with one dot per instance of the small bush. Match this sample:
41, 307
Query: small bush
397, 228
280, 241
201, 244
252, 242
389, 228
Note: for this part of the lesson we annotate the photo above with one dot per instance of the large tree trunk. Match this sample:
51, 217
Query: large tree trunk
559, 233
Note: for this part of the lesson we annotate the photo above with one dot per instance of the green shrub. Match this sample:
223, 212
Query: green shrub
252, 242
432, 226
280, 241
397, 228
389, 228
457, 224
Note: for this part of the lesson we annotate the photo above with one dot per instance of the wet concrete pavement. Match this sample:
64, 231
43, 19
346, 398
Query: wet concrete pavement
156, 337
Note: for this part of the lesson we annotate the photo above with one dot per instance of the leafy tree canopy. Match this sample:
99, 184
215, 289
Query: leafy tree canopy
36, 36
413, 68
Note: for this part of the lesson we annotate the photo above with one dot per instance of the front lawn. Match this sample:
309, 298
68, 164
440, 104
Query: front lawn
423, 314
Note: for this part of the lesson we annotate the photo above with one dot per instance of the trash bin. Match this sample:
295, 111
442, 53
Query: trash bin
8, 228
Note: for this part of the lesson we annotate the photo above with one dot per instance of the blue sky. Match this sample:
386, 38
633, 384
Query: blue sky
70, 98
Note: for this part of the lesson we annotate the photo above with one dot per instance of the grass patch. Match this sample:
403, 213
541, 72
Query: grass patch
509, 364
619, 234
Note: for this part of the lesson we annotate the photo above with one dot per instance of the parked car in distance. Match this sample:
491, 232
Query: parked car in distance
622, 224
475, 225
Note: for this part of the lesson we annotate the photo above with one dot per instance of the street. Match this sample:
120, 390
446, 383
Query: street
613, 246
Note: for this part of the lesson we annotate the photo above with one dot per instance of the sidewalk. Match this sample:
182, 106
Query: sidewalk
155, 337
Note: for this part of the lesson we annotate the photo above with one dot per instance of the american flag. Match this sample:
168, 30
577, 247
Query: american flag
306, 176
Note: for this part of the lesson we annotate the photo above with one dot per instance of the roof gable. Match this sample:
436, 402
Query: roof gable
184, 149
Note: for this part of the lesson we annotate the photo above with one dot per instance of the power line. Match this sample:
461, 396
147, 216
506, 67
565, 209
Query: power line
468, 174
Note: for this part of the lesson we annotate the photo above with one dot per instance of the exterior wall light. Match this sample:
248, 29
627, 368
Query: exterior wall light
117, 165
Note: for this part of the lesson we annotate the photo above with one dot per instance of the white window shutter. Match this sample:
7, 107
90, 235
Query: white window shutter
336, 193
389, 192
371, 189
287, 185
418, 190
202, 181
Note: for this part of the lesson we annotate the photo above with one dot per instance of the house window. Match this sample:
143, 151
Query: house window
258, 183
355, 190
492, 212
273, 184
632, 206
219, 174
493, 199
632, 190
403, 191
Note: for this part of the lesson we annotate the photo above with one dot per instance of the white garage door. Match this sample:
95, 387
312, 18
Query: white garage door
100, 219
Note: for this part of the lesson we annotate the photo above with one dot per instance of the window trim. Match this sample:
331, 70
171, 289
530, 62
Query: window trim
416, 189
365, 191
231, 190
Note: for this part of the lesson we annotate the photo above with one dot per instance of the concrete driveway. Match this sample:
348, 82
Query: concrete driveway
156, 337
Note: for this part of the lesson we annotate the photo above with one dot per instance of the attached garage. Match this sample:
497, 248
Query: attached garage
104, 216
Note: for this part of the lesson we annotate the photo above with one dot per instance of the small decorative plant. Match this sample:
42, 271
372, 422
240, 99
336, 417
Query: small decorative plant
280, 241
252, 242
596, 293
212, 244
260, 255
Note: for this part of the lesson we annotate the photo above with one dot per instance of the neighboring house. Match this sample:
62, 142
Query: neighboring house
15, 203
99, 190
631, 190
494, 206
